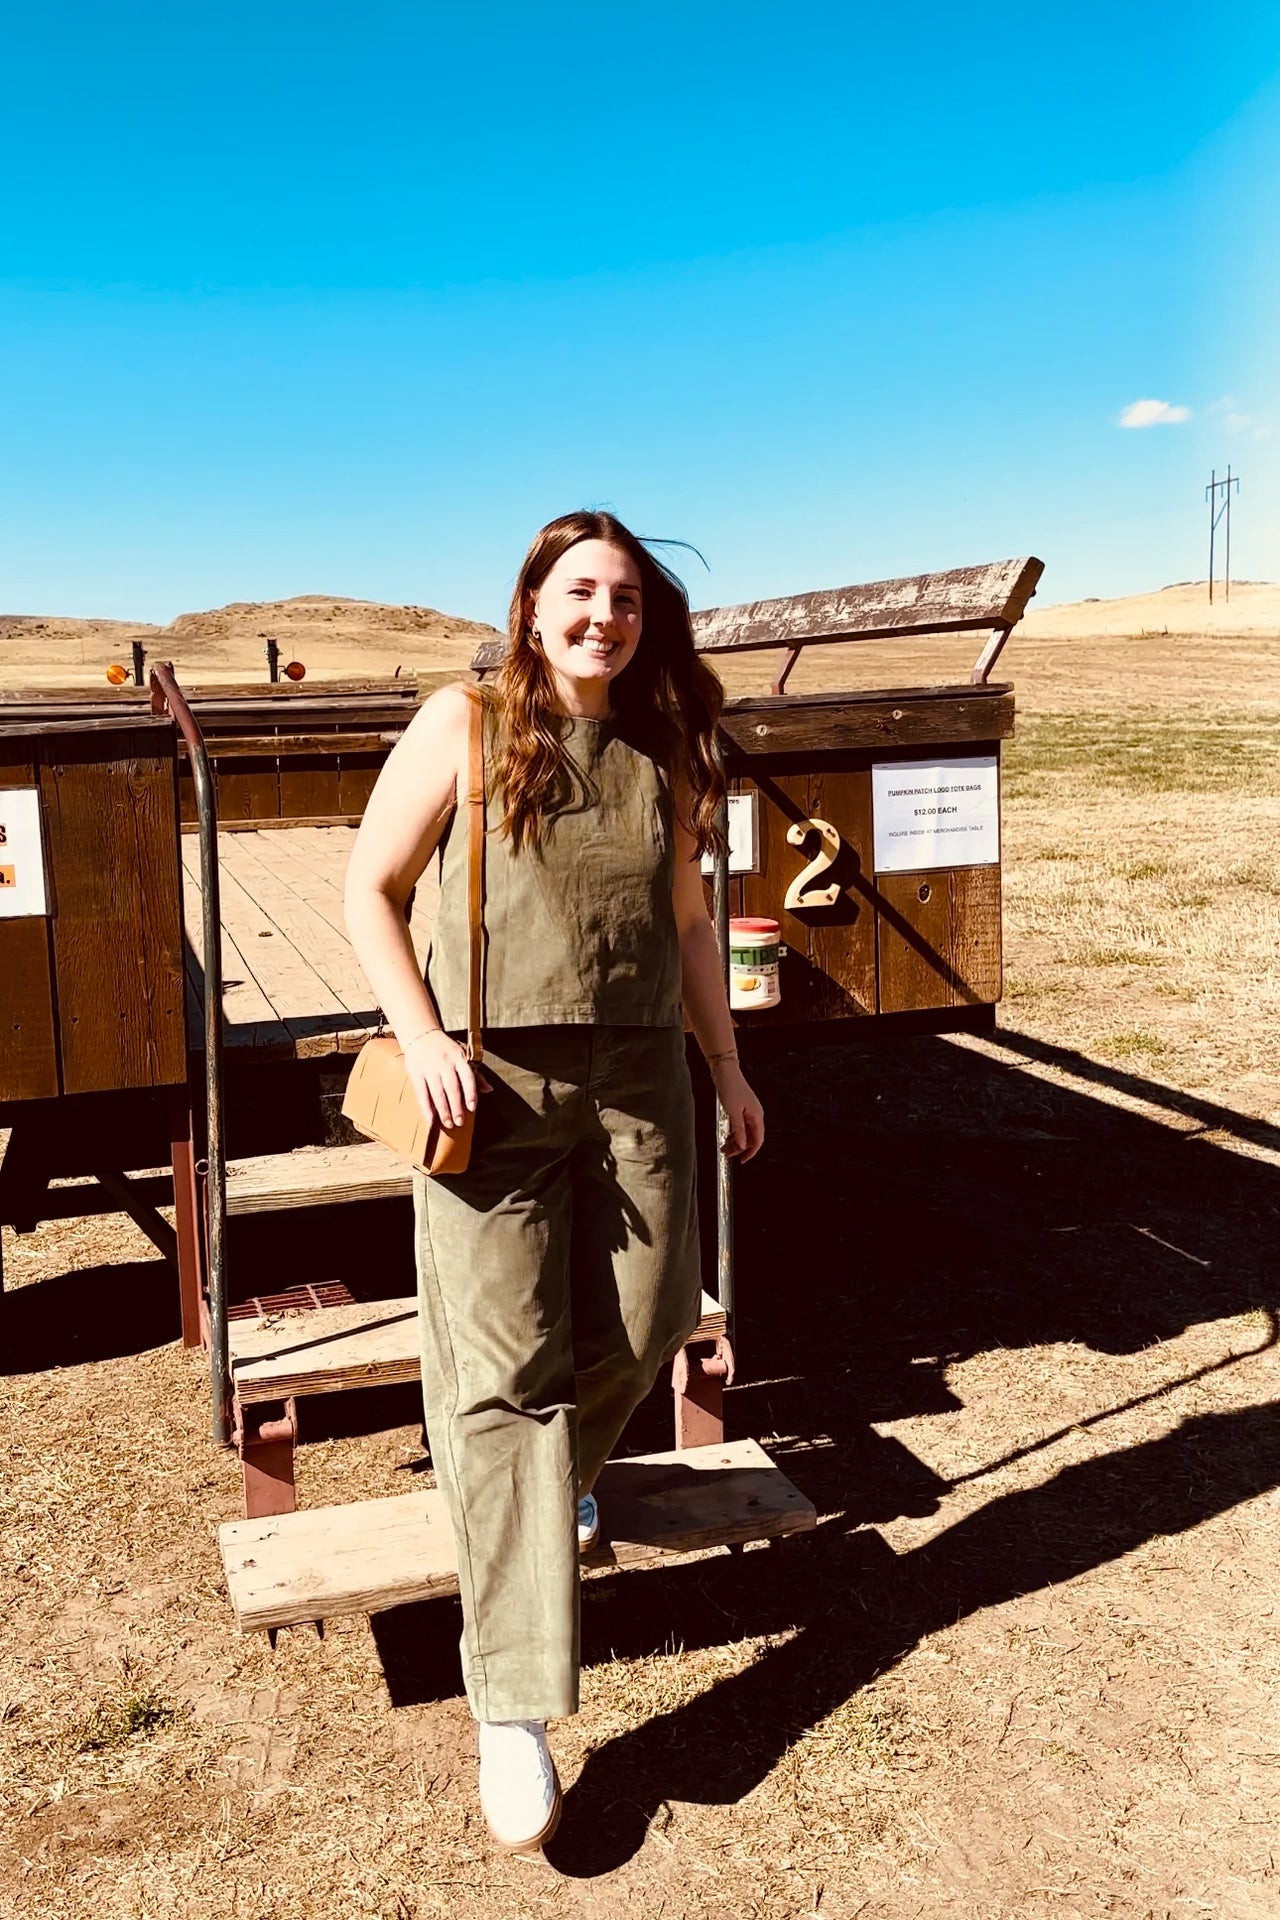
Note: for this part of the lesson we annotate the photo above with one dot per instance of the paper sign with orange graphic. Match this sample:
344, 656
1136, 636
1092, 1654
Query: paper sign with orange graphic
22, 888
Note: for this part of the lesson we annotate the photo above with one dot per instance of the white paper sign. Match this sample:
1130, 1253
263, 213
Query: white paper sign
742, 836
936, 813
22, 890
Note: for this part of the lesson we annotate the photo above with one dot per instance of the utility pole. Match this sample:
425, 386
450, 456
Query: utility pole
1217, 510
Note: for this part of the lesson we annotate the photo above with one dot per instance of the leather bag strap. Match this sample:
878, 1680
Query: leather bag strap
475, 871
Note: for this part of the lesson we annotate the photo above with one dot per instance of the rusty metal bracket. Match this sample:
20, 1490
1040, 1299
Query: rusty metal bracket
992, 648
698, 1381
265, 1434
780, 684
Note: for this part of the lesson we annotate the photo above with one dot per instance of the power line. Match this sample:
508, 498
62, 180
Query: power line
1217, 510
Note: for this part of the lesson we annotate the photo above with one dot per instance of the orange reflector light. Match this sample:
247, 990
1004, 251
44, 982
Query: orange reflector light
295, 671
117, 674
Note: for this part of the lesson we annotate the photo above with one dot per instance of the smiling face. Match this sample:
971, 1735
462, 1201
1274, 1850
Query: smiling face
587, 613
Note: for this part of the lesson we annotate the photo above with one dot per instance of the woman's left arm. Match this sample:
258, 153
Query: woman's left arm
705, 1002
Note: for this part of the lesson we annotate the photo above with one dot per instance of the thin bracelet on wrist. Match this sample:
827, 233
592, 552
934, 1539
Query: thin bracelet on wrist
714, 1059
417, 1036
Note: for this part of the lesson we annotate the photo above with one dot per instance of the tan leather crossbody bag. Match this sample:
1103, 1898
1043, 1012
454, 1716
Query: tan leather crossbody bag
380, 1101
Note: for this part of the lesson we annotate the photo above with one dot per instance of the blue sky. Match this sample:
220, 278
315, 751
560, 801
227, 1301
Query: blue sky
350, 300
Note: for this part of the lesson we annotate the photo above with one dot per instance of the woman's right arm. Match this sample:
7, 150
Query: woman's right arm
403, 823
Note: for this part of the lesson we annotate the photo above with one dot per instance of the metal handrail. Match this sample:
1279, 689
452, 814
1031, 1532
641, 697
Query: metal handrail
167, 697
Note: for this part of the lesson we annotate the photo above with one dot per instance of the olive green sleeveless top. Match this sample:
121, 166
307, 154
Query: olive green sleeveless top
581, 930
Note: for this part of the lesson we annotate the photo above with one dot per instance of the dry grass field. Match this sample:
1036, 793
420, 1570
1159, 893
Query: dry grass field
1007, 1315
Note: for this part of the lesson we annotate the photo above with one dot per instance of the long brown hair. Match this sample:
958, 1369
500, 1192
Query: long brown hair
666, 701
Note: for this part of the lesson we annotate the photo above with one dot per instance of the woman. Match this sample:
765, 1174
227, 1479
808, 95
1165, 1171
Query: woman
560, 1272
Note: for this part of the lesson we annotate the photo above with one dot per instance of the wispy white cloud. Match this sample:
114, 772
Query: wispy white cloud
1234, 416
1153, 413
1247, 423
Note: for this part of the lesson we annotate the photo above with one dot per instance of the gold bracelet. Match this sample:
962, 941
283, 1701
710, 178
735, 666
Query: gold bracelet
714, 1059
418, 1036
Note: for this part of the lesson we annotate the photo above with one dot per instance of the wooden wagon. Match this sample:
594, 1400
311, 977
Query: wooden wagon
891, 931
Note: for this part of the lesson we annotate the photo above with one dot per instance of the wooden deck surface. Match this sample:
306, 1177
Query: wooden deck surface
291, 986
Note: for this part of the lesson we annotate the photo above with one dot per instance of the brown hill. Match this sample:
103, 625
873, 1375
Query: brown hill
1254, 607
334, 638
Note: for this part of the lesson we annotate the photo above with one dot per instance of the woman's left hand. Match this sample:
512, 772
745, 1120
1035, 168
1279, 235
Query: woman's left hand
742, 1110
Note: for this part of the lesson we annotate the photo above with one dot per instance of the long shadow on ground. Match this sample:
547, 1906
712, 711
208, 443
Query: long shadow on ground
915, 1206
852, 1608
859, 1611
94, 1313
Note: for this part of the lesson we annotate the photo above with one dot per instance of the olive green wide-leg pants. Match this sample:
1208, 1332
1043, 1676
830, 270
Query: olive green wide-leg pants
555, 1277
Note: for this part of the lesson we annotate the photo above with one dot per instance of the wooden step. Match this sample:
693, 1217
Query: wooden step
373, 1554
315, 1177
373, 1343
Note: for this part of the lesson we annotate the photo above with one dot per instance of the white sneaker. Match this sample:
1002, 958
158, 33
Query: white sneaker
588, 1523
519, 1789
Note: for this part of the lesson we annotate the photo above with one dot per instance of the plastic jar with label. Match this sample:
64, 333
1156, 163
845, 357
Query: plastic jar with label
753, 964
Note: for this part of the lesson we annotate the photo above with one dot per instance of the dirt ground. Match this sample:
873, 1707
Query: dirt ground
1007, 1314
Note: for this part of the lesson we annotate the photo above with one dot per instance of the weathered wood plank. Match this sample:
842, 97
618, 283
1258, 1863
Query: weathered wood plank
804, 723
274, 825
310, 788
939, 938
28, 1034
960, 600
357, 777
36, 719
326, 1561
315, 1177
247, 790
829, 968
329, 1350
284, 746
842, 937
110, 816
337, 1349
403, 688
355, 713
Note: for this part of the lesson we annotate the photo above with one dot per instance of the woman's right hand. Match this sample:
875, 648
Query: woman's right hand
442, 1076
